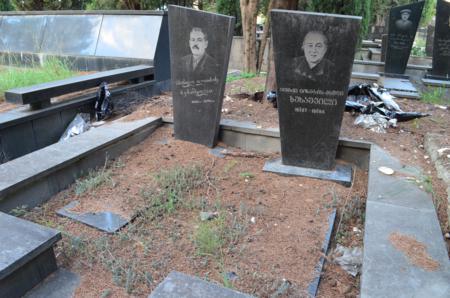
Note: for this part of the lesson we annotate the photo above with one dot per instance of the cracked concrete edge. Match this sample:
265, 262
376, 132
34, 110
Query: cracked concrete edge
431, 145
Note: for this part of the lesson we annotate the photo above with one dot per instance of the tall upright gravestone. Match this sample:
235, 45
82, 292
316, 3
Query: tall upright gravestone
313, 60
403, 23
441, 46
200, 44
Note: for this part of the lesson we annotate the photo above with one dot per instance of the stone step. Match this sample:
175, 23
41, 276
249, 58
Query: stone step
26, 255
180, 285
398, 206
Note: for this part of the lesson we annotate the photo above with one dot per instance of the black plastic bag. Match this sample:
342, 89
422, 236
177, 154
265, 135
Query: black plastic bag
103, 105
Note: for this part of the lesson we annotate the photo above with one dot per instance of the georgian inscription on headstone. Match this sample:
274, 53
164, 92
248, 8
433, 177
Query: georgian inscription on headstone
200, 46
313, 60
441, 47
403, 23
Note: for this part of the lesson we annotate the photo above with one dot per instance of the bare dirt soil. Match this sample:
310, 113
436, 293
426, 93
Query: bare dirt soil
268, 233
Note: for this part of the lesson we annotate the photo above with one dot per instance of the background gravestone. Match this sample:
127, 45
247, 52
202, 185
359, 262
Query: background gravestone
198, 91
311, 100
441, 47
403, 23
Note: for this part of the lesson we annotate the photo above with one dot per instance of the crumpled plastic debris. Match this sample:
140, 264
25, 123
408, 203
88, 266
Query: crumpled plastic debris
375, 122
272, 98
103, 105
78, 125
366, 99
350, 259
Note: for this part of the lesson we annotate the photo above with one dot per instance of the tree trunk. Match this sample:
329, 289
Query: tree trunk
249, 12
271, 83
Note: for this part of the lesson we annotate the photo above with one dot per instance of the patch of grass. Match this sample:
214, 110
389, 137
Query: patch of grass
93, 180
19, 211
434, 96
247, 175
243, 75
52, 70
174, 185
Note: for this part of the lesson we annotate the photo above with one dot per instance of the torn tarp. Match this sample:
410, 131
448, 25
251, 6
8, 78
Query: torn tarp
369, 100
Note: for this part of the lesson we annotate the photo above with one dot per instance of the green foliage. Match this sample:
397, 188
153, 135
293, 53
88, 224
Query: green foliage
429, 10
19, 211
6, 5
93, 180
361, 8
231, 8
53, 69
244, 75
208, 237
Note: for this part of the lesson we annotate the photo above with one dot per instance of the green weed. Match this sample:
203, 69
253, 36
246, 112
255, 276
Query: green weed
19, 211
93, 180
243, 75
434, 96
247, 175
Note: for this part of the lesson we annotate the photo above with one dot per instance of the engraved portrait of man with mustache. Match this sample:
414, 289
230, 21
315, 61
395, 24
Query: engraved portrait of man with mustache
199, 63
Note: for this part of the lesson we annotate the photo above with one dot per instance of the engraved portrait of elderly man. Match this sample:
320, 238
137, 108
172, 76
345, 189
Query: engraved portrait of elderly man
314, 65
198, 63
404, 23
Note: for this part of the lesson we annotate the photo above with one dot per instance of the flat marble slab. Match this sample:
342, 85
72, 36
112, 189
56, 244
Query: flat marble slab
341, 173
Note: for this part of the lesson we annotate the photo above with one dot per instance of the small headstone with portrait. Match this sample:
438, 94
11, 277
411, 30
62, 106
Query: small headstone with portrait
200, 44
403, 23
313, 61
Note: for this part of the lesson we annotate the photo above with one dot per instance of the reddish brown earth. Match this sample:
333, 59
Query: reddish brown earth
277, 223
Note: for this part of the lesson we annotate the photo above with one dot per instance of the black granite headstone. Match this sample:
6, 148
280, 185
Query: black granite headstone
403, 23
200, 44
441, 47
313, 60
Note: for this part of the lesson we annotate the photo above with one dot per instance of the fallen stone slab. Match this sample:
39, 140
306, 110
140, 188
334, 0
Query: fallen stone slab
396, 206
104, 221
26, 255
180, 285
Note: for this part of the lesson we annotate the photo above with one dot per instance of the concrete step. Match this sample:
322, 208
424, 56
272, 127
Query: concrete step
33, 178
397, 205
26, 255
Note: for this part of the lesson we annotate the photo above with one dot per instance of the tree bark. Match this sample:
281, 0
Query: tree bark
271, 83
249, 12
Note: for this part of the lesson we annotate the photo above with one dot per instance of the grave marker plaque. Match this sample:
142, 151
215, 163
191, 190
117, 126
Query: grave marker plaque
441, 46
200, 44
313, 60
403, 23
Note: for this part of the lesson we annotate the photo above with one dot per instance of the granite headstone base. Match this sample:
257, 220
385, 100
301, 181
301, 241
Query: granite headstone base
342, 173
104, 221
394, 75
399, 87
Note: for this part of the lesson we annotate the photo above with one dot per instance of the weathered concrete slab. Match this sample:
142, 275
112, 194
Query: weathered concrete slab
21, 241
179, 285
365, 75
341, 173
81, 153
61, 284
397, 205
104, 221
26, 255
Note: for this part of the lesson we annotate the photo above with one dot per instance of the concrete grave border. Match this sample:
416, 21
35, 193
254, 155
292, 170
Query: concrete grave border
394, 204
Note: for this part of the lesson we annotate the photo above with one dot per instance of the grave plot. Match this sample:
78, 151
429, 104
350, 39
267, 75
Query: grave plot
257, 228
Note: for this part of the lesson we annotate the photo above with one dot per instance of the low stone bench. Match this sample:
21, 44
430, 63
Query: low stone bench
26, 255
38, 96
